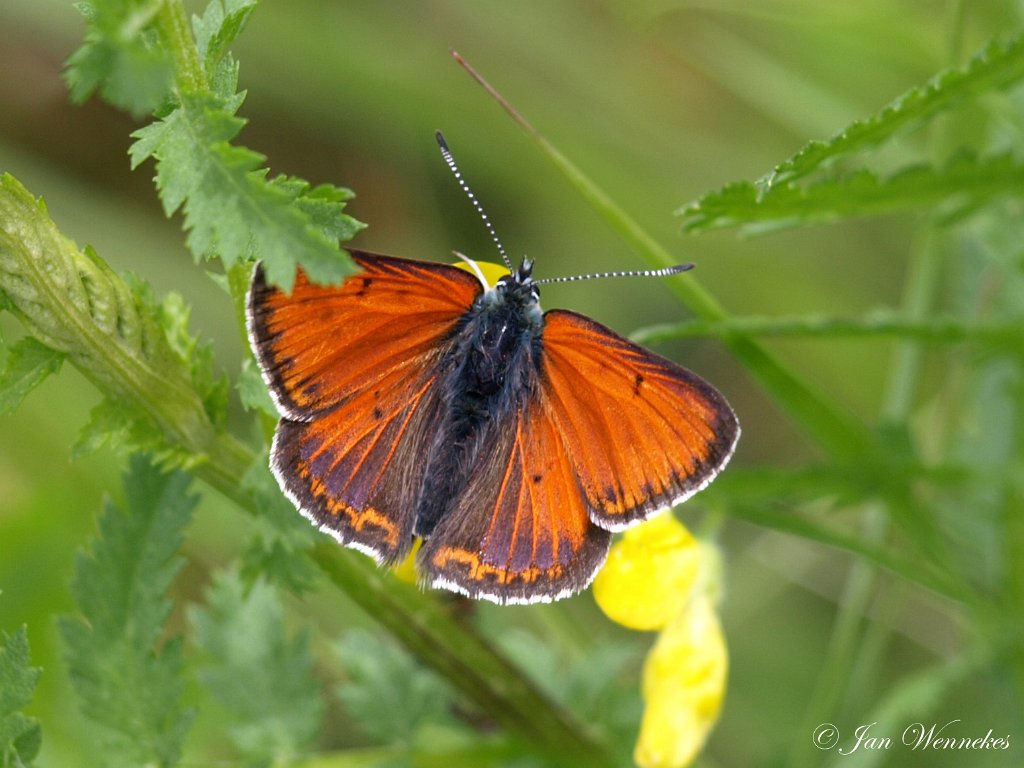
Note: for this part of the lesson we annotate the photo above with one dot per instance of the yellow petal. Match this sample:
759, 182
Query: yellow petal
492, 272
406, 570
649, 575
684, 684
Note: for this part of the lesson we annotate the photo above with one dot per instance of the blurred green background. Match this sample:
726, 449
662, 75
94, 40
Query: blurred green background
658, 101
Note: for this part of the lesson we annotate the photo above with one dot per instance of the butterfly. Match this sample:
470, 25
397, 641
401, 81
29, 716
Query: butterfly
417, 401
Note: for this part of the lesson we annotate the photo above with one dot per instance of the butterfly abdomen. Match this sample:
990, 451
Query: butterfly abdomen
490, 373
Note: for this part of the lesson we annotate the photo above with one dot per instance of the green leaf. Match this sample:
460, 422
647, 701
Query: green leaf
127, 679
387, 692
997, 66
20, 736
259, 675
776, 200
230, 207
122, 57
966, 182
218, 27
28, 363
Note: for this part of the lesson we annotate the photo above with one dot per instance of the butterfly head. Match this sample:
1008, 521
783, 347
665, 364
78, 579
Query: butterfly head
519, 290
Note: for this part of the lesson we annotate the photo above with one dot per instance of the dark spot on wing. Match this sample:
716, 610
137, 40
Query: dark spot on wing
364, 285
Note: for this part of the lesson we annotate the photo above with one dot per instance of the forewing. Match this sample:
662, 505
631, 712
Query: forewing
354, 369
323, 344
641, 432
520, 532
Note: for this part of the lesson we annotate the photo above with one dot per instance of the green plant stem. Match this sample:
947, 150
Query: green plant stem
832, 428
173, 23
923, 273
879, 323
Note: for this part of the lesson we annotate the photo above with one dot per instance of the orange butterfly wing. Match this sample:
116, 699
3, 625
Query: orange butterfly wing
353, 369
642, 433
520, 532
609, 434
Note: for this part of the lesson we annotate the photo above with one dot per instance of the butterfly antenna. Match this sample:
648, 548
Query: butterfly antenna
447, 155
665, 272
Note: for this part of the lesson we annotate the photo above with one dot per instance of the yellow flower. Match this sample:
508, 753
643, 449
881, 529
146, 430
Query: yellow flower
491, 272
683, 687
658, 576
649, 575
406, 570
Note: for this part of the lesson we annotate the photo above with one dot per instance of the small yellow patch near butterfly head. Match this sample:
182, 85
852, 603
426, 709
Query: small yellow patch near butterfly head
487, 272
649, 575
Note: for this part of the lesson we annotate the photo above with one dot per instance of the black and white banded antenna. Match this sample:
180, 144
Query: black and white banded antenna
663, 272
447, 155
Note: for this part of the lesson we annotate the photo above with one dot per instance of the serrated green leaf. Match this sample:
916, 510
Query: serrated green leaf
321, 204
387, 692
218, 27
259, 675
997, 66
122, 57
777, 201
125, 678
231, 209
27, 364
963, 184
201, 124
20, 736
